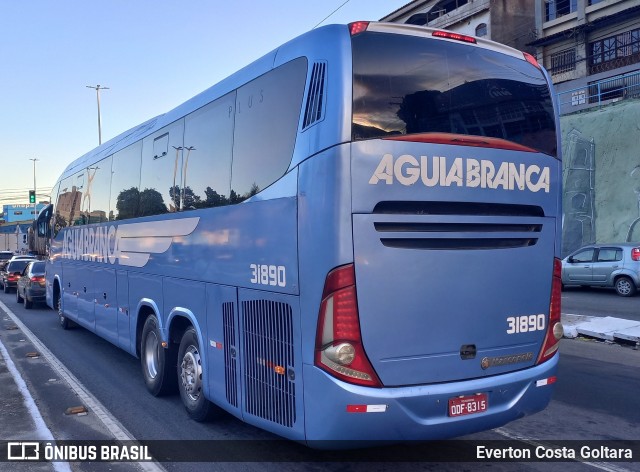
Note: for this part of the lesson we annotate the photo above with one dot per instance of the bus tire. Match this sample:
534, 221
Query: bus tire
158, 363
65, 323
190, 379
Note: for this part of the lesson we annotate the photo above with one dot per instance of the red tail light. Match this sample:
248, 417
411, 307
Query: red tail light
531, 60
37, 279
456, 36
554, 328
635, 254
358, 27
339, 349
12, 277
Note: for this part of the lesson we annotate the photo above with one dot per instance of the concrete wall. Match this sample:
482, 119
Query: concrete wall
601, 175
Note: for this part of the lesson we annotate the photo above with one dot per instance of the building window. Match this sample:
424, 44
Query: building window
563, 61
557, 8
17, 213
444, 7
481, 29
593, 2
615, 51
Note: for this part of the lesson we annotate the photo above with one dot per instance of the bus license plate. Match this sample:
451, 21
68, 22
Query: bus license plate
468, 404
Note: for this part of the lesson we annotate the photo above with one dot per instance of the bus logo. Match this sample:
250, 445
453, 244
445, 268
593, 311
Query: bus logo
129, 244
440, 171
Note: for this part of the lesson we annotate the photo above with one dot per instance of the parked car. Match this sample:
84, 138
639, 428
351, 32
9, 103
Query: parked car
604, 265
11, 273
30, 287
4, 258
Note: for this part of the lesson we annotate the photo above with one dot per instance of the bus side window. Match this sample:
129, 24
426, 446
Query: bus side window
267, 117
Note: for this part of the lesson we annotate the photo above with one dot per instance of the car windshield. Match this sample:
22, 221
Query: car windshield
17, 266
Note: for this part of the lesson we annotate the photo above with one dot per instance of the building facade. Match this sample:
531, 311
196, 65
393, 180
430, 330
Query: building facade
591, 48
511, 22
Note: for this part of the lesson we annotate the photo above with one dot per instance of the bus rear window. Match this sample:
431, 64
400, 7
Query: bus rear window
404, 85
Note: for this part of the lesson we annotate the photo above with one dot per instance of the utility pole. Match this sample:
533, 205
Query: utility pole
97, 89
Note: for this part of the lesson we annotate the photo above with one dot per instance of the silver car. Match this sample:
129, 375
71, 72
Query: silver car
604, 265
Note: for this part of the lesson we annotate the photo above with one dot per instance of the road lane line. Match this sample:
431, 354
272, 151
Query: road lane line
115, 428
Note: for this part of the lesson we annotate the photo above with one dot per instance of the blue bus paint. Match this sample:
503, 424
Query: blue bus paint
427, 253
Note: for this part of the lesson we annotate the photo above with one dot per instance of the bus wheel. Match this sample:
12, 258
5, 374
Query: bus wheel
158, 363
190, 376
63, 320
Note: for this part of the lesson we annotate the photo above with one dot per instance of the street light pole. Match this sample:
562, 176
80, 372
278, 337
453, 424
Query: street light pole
97, 89
35, 203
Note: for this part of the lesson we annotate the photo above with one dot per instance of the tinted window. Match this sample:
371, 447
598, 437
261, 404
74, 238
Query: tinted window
125, 182
6, 255
95, 200
206, 155
267, 116
67, 207
37, 268
583, 256
609, 254
17, 266
161, 171
407, 84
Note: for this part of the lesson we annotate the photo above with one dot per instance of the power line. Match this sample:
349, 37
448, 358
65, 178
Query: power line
331, 14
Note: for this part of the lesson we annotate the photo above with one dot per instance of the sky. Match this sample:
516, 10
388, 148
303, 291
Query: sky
151, 54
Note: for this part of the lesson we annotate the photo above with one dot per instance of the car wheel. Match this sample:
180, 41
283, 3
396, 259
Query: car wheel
18, 297
5, 289
625, 286
158, 363
191, 379
28, 304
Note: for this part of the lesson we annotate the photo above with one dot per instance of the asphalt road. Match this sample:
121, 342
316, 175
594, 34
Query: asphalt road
600, 302
595, 398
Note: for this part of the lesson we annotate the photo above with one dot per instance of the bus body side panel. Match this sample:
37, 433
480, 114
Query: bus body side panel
223, 348
271, 362
70, 290
145, 292
126, 330
325, 231
466, 260
106, 304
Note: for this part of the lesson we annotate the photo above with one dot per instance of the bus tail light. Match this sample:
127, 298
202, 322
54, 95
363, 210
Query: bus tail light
358, 27
339, 349
554, 329
455, 36
635, 254
531, 59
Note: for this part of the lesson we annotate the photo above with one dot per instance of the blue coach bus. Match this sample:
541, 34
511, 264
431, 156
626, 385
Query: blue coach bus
356, 237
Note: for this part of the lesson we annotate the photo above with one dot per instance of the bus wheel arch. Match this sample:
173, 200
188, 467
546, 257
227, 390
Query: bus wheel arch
158, 363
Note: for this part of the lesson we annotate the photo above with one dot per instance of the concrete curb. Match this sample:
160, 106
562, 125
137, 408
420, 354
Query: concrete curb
605, 328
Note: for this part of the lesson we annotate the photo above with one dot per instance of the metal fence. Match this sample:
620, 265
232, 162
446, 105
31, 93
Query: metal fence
598, 92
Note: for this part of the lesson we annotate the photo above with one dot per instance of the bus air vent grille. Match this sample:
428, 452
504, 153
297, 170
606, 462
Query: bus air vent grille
230, 367
457, 226
315, 95
268, 361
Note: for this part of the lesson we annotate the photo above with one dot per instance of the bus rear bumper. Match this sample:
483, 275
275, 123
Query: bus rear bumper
340, 415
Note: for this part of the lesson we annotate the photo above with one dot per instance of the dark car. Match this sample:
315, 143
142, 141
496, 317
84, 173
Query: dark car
4, 258
11, 273
30, 287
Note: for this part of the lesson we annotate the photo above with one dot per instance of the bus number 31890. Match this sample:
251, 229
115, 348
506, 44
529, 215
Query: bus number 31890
524, 324
264, 274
